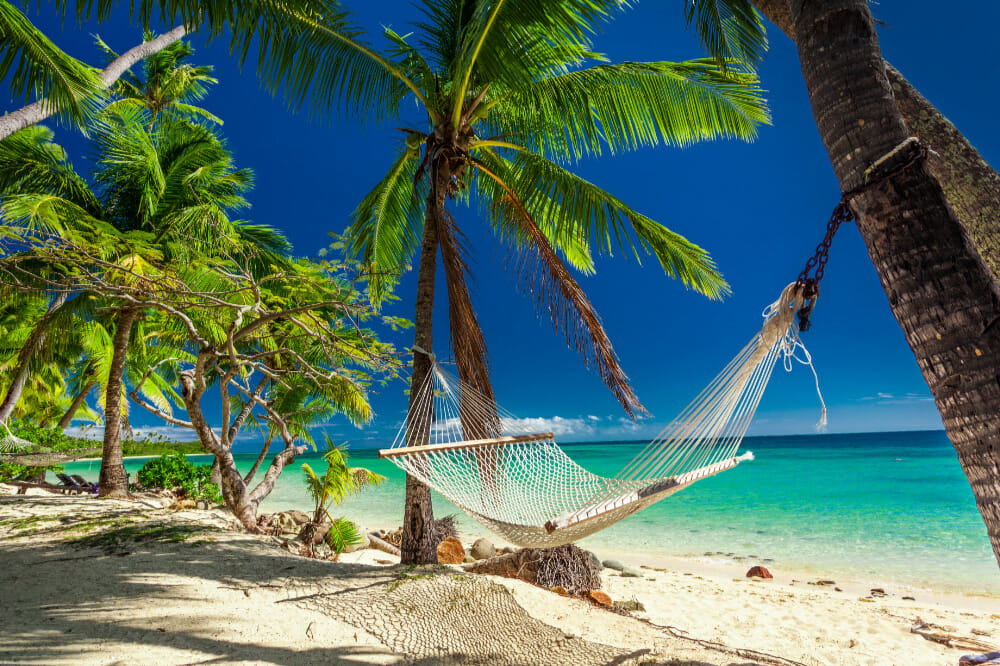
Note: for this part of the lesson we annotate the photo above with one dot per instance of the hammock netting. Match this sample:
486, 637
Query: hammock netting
525, 488
19, 451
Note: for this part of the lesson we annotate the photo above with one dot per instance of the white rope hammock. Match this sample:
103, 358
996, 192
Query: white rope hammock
525, 488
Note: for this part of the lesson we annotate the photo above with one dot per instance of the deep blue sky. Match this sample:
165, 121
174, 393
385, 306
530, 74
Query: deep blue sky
760, 209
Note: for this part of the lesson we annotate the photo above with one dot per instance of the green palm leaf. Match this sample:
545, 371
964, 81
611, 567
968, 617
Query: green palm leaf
386, 226
731, 30
38, 69
627, 106
577, 210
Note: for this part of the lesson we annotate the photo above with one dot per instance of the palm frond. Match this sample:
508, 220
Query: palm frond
577, 210
386, 226
538, 268
320, 54
37, 69
512, 42
730, 30
629, 105
30, 161
343, 533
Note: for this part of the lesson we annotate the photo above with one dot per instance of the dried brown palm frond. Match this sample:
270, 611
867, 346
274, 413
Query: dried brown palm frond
467, 341
546, 278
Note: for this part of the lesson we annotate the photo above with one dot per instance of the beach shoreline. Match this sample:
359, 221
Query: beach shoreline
188, 588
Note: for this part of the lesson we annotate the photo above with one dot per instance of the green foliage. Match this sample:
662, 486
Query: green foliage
729, 29
52, 438
343, 533
176, 471
12, 471
514, 94
339, 482
37, 68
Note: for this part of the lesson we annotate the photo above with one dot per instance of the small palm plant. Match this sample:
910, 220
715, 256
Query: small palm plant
338, 483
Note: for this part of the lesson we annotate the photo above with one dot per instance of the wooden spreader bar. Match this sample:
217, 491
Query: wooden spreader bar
468, 444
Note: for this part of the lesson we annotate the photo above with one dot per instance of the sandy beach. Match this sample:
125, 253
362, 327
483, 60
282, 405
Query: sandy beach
101, 582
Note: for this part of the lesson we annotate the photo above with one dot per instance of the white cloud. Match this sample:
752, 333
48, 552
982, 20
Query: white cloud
883, 398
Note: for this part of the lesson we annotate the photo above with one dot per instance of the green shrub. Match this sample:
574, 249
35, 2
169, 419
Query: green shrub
175, 471
13, 472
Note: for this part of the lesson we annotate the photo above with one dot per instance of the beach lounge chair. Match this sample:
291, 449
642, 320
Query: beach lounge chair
83, 482
71, 484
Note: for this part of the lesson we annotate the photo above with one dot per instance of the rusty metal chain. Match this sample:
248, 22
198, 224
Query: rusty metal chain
843, 213
810, 285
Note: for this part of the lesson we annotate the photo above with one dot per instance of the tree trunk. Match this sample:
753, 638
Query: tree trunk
970, 184
113, 479
260, 460
940, 290
67, 418
235, 492
417, 545
40, 110
24, 356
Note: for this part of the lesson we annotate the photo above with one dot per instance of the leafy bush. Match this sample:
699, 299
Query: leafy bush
13, 472
175, 471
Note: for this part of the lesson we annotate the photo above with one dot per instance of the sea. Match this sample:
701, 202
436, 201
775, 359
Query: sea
880, 507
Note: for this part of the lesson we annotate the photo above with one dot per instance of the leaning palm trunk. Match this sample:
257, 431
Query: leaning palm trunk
36, 112
24, 357
113, 479
970, 184
77, 403
940, 290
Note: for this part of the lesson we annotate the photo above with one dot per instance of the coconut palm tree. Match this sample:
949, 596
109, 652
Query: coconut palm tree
940, 291
167, 85
512, 92
53, 83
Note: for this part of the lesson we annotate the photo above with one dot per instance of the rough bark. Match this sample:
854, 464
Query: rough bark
970, 184
38, 111
379, 544
67, 418
113, 479
417, 546
34, 342
940, 290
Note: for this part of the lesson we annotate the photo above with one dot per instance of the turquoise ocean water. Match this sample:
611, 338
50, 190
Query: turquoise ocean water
892, 507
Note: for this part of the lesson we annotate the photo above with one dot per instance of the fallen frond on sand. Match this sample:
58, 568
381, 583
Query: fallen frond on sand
938, 634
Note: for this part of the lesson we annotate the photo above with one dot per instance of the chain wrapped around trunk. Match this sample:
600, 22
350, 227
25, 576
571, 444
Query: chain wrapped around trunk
899, 158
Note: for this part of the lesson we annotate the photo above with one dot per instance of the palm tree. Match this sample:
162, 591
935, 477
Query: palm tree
172, 188
339, 482
63, 86
511, 97
970, 183
940, 291
168, 85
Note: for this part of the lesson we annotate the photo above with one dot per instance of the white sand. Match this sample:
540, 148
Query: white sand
235, 598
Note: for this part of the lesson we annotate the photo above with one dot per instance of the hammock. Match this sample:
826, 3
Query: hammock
525, 488
19, 451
